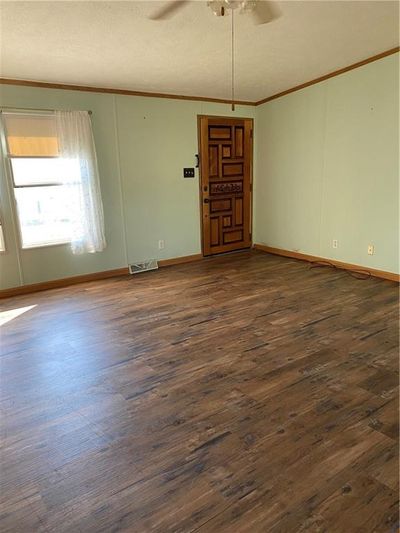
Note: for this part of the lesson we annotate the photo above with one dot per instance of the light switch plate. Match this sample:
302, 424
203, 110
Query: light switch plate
188, 172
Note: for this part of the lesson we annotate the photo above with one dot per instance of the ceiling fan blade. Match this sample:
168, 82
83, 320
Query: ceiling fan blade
265, 11
168, 10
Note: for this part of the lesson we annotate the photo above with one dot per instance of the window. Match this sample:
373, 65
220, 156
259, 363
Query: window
54, 177
44, 205
37, 179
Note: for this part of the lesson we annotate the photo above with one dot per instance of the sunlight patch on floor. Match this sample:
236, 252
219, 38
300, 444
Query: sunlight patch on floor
7, 316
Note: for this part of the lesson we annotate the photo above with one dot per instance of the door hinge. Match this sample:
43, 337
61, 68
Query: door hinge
251, 187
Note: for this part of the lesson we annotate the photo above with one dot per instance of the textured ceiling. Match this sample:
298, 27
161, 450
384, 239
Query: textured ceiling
116, 45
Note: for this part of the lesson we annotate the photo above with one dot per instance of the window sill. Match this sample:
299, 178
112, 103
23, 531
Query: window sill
51, 244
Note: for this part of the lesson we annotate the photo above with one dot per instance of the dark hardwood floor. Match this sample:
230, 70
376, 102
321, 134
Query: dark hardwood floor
244, 393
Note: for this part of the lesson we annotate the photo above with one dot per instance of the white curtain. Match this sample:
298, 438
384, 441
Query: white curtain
76, 147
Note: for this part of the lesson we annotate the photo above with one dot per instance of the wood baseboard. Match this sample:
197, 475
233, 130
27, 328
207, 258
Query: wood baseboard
65, 282
179, 260
391, 276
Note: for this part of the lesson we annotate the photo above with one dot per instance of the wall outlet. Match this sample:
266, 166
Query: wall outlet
161, 245
334, 243
371, 249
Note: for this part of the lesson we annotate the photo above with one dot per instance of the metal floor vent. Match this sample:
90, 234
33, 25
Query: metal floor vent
143, 266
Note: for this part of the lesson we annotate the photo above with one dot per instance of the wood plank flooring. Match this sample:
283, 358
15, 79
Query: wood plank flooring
243, 393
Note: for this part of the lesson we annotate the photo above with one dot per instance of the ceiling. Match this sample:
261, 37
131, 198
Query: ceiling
115, 44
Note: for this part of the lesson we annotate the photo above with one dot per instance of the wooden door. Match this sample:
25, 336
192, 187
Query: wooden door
226, 147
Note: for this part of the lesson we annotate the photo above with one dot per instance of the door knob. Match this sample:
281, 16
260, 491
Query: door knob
206, 201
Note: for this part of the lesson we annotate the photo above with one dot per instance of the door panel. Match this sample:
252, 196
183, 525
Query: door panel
225, 190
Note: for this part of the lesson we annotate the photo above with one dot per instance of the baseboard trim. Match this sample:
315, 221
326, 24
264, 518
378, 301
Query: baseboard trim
391, 276
179, 260
95, 276
64, 282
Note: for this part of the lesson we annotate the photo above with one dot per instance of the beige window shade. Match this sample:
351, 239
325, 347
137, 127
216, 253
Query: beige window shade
31, 135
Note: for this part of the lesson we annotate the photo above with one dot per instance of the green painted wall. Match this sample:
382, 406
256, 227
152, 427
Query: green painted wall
142, 146
327, 165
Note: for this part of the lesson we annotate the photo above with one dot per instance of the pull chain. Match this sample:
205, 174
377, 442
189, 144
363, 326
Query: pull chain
233, 61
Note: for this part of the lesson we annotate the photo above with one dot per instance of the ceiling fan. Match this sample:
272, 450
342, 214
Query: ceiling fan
262, 11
